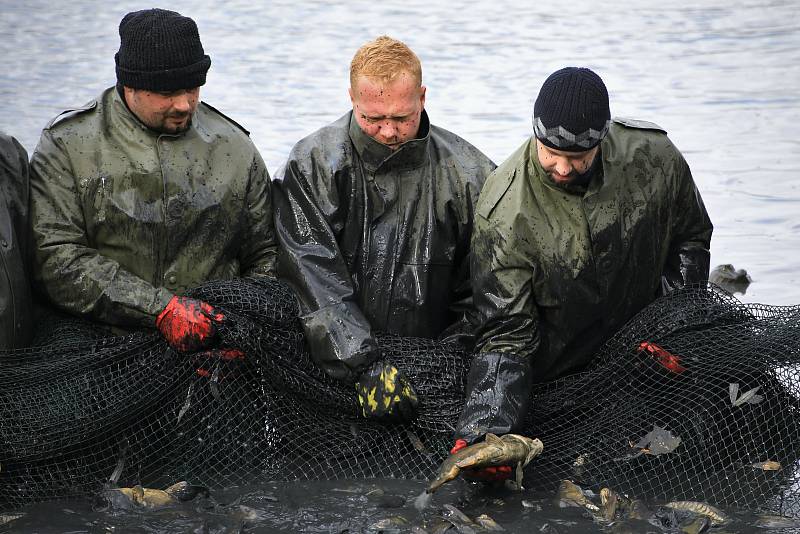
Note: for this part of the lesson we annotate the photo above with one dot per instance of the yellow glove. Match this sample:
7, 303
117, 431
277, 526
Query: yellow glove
385, 392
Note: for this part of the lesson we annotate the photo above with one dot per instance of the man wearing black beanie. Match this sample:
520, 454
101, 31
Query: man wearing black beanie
146, 192
582, 227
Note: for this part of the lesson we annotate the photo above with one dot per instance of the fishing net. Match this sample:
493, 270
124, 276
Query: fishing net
696, 398
687, 401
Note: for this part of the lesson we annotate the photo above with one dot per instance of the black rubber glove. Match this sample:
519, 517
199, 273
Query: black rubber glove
385, 392
498, 394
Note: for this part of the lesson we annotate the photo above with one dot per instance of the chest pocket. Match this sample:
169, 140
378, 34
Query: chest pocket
118, 214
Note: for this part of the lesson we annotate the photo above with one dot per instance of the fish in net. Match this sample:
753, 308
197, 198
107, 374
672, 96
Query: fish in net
687, 401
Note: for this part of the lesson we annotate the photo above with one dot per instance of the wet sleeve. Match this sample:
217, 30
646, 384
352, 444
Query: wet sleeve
689, 251
461, 304
461, 307
309, 259
72, 275
506, 313
499, 380
259, 249
16, 189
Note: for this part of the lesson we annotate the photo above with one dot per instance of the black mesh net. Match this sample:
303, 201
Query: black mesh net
686, 402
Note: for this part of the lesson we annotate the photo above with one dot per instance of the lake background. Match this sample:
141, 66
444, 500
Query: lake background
721, 76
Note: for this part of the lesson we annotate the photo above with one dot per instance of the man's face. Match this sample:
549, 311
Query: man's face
164, 112
564, 166
388, 112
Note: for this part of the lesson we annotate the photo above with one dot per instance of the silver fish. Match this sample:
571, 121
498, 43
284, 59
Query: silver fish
716, 515
748, 397
658, 441
767, 465
776, 522
8, 518
459, 520
391, 523
187, 403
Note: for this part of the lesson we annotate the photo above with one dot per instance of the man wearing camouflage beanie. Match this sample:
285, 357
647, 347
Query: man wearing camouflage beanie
582, 227
146, 192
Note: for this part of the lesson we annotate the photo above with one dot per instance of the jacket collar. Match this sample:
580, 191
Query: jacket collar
374, 155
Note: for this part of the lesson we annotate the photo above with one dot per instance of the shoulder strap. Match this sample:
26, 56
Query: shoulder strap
70, 113
635, 123
221, 114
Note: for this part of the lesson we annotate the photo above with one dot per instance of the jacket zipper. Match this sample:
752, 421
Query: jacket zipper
159, 275
396, 253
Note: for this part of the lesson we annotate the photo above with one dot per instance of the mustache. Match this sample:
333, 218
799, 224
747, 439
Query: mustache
177, 115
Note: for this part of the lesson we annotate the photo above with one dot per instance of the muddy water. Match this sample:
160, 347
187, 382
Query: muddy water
722, 76
353, 507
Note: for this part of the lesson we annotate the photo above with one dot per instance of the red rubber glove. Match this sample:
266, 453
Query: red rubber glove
188, 324
486, 474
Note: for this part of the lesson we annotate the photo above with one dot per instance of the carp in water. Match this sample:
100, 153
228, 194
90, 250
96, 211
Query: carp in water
151, 499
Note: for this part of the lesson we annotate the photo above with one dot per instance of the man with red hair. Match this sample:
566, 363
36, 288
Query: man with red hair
374, 216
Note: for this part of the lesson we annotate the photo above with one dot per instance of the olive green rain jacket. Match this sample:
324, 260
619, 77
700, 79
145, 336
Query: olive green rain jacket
124, 217
16, 307
558, 270
376, 240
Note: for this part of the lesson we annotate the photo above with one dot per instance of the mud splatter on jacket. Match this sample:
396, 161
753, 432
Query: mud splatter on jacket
125, 217
375, 239
16, 307
558, 270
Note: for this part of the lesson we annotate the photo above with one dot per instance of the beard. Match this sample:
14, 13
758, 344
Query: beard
164, 126
581, 178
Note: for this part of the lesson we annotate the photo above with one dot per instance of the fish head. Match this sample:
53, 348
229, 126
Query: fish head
137, 495
569, 490
183, 491
532, 447
115, 499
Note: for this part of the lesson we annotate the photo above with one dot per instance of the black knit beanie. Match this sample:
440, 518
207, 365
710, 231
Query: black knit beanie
160, 50
571, 112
